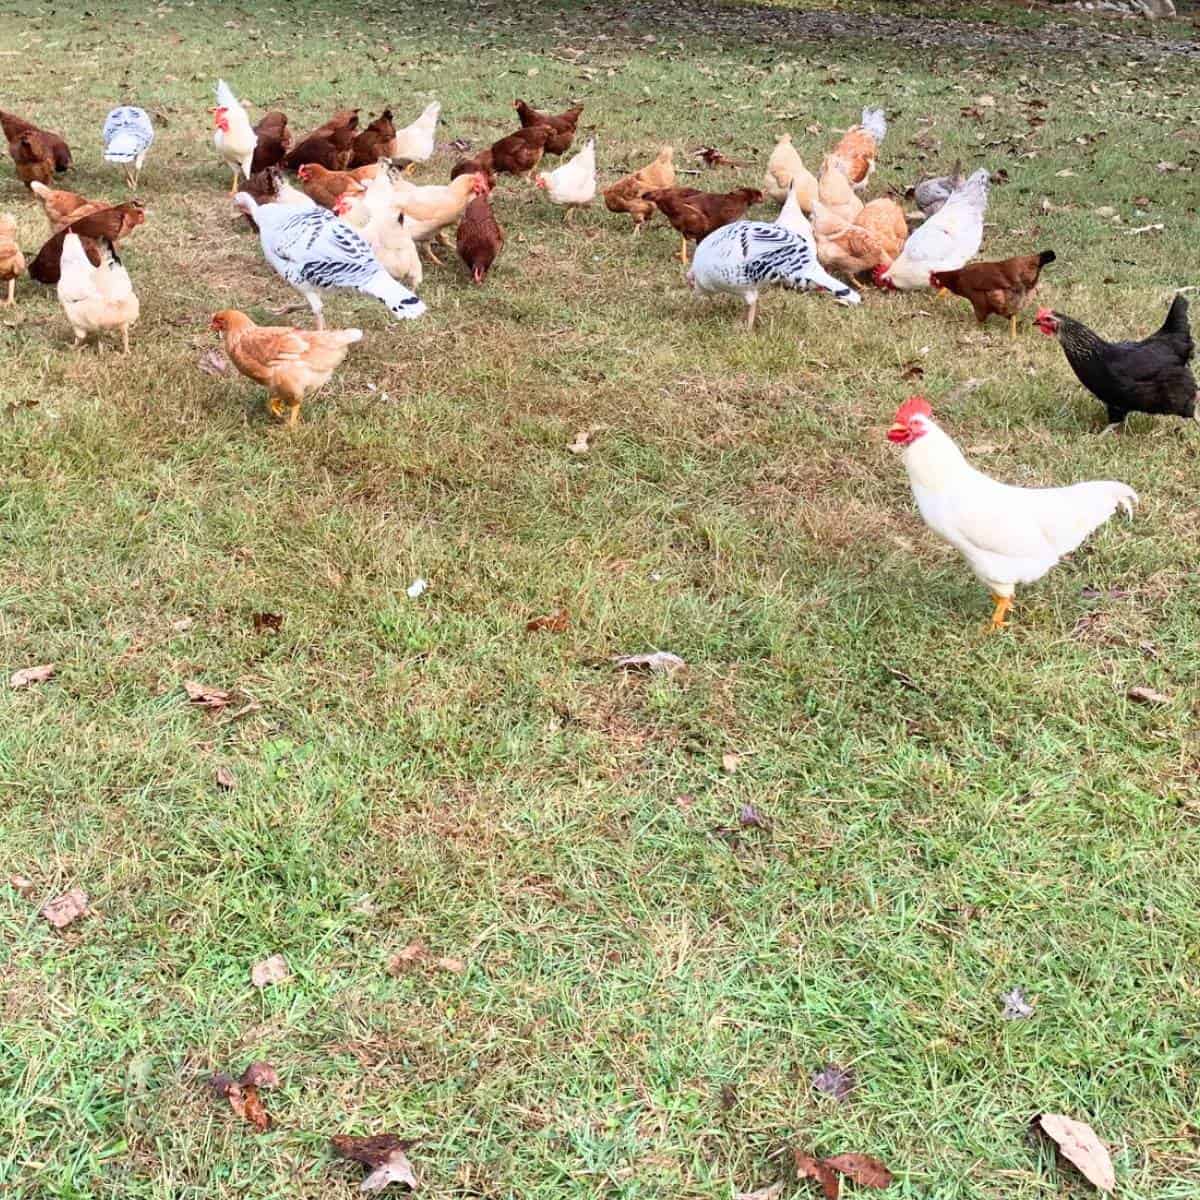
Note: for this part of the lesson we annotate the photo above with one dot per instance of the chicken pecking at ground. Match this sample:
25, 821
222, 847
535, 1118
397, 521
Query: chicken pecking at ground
62, 207
314, 252
289, 363
695, 214
33, 157
273, 141
96, 298
13, 126
742, 258
946, 241
1008, 535
329, 145
625, 196
998, 289
377, 141
479, 239
1150, 376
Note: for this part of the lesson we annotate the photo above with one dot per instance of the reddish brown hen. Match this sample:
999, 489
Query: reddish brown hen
14, 126
564, 125
377, 141
274, 141
998, 289
115, 224
479, 238
520, 152
695, 214
329, 145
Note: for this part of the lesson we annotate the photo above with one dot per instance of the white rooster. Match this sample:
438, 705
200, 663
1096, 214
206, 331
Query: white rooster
946, 241
415, 142
233, 135
128, 135
741, 258
1008, 535
573, 185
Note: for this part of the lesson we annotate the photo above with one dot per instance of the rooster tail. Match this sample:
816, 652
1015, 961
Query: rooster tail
1046, 257
1177, 318
402, 304
875, 123
429, 116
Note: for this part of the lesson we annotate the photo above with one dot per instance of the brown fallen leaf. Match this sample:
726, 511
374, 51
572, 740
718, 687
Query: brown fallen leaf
205, 696
213, 362
27, 675
413, 955
766, 1193
808, 1167
1146, 695
65, 909
836, 1081
862, 1168
1080, 1146
260, 1075
454, 965
385, 1153
267, 622
750, 818
730, 762
245, 1102
22, 886
661, 662
912, 370
556, 622
580, 444
270, 970
226, 779
729, 1097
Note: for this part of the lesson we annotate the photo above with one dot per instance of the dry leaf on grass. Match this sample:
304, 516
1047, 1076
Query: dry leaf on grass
27, 675
22, 886
205, 696
65, 909
750, 818
243, 1094
226, 779
1016, 1007
862, 1168
556, 622
416, 588
213, 362
267, 622
580, 444
767, 1193
454, 965
1080, 1146
384, 1153
836, 1081
1146, 695
661, 662
270, 970
730, 762
413, 955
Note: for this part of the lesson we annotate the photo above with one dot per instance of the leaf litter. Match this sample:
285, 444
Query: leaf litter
243, 1093
1016, 1006
66, 909
863, 1169
1078, 1144
836, 1081
27, 675
661, 662
385, 1154
270, 970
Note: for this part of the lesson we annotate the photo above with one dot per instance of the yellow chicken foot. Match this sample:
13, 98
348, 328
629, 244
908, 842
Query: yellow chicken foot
234, 188
683, 250
1012, 326
293, 415
275, 405
943, 293
1003, 605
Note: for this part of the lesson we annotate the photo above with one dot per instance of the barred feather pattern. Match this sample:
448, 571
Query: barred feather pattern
128, 134
746, 255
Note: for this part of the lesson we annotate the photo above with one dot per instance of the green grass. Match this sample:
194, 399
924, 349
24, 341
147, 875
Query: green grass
949, 815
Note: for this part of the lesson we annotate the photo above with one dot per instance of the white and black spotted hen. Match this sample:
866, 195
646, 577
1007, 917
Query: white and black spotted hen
317, 252
128, 134
745, 257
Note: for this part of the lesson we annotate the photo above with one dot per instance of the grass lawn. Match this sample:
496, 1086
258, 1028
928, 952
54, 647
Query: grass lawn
648, 985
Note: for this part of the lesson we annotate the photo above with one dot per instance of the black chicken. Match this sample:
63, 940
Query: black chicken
1150, 376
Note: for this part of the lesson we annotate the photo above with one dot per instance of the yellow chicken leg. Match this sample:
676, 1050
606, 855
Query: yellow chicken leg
1012, 326
683, 250
293, 415
1003, 605
236, 177
124, 339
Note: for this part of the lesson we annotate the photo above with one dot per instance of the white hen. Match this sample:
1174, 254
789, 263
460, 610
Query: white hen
946, 241
96, 298
573, 185
415, 142
233, 135
1008, 535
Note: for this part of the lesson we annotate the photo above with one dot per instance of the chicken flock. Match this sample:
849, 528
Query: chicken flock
355, 219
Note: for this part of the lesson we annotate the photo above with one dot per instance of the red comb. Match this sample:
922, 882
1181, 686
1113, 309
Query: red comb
1042, 313
914, 406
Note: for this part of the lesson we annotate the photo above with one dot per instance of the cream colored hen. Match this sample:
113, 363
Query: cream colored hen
96, 299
